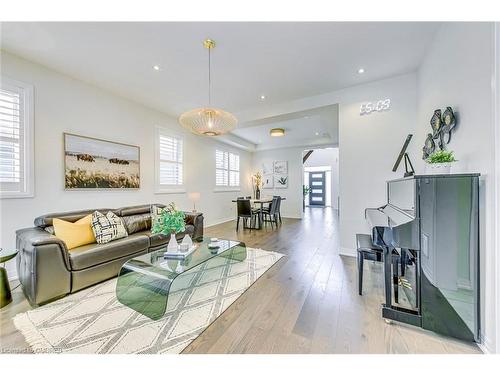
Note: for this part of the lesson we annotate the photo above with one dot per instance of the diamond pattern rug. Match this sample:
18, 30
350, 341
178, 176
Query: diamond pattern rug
93, 321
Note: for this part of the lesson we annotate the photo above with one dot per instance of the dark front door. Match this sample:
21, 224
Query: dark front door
317, 185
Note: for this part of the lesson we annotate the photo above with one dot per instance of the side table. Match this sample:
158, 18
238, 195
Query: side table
5, 295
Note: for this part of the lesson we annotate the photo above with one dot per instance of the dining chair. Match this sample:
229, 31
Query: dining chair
245, 212
271, 215
268, 208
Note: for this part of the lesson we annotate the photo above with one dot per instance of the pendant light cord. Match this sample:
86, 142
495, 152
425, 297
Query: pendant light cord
209, 79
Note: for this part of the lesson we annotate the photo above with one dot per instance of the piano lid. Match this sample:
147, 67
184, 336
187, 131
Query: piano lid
387, 216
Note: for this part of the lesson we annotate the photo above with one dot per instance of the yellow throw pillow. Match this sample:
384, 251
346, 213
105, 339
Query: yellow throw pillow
74, 234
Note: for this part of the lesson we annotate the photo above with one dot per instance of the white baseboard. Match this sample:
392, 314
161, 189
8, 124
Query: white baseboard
486, 345
348, 252
221, 221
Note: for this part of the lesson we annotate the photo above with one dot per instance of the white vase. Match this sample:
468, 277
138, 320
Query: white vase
438, 168
173, 246
187, 241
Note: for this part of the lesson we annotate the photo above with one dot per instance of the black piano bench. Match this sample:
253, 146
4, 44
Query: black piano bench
366, 250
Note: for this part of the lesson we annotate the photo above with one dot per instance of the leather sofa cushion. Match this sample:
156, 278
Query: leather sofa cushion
91, 255
135, 210
71, 216
137, 223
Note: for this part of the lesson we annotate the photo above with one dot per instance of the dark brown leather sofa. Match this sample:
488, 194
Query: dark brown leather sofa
48, 271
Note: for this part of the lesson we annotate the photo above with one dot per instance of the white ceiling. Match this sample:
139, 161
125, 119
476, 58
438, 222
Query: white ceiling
283, 61
315, 127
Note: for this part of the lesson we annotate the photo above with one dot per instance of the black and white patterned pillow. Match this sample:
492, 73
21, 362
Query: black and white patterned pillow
107, 227
156, 212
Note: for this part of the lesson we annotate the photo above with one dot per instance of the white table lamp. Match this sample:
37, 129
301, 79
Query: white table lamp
194, 197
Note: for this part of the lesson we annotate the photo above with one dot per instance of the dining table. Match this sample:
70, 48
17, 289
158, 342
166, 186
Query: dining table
260, 202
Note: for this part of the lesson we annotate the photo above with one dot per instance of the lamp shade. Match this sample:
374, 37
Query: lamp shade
194, 196
208, 121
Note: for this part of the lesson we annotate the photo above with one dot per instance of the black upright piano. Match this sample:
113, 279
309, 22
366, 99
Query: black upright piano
432, 222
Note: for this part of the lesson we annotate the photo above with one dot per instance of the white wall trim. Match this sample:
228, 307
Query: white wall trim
222, 221
496, 214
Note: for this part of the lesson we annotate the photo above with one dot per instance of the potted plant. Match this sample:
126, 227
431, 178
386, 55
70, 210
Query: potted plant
171, 222
439, 162
257, 179
305, 191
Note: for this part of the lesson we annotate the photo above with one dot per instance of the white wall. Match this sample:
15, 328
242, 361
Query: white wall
457, 71
327, 157
292, 207
63, 104
369, 146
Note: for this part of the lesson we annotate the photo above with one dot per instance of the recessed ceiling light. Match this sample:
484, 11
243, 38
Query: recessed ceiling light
277, 132
316, 133
262, 97
361, 71
156, 67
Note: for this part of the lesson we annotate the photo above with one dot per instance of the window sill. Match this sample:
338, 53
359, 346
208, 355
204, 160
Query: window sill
13, 195
171, 191
224, 190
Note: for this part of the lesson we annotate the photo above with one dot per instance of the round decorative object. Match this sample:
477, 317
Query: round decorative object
449, 123
208, 121
429, 146
436, 123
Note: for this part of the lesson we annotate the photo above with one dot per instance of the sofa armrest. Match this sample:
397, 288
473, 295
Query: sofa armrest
196, 219
42, 265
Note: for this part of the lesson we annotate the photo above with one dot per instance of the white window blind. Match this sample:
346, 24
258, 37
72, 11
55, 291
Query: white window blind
16, 139
170, 157
227, 169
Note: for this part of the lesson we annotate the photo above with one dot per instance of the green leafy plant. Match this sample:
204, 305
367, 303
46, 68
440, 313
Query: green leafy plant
171, 221
441, 156
306, 190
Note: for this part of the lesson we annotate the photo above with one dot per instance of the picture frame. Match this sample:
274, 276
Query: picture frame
281, 167
267, 181
267, 168
97, 164
280, 181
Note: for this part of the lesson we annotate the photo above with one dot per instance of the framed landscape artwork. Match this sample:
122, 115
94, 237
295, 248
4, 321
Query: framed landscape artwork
91, 163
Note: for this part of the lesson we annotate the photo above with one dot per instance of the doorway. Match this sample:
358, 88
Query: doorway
317, 195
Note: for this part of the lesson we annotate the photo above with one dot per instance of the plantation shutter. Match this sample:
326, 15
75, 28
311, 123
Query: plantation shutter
234, 170
227, 169
221, 168
15, 134
170, 158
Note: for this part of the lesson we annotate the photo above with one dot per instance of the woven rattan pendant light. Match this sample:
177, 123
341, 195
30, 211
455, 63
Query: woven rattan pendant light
208, 121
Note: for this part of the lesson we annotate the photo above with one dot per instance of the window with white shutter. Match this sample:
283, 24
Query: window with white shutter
16, 139
227, 169
169, 169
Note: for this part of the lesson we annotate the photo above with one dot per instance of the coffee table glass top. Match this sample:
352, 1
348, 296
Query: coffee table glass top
145, 282
7, 254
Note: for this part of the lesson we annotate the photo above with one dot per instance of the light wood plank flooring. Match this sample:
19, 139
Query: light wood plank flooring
306, 303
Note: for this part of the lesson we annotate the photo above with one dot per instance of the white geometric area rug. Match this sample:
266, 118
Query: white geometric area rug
93, 321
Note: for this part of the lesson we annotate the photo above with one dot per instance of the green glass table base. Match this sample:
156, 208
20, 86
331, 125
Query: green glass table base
146, 282
5, 294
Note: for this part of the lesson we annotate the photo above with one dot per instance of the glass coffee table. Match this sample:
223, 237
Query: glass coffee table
145, 282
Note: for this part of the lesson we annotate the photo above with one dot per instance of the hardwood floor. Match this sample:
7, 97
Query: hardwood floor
306, 303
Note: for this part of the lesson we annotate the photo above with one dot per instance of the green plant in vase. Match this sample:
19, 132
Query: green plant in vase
305, 191
171, 222
439, 162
